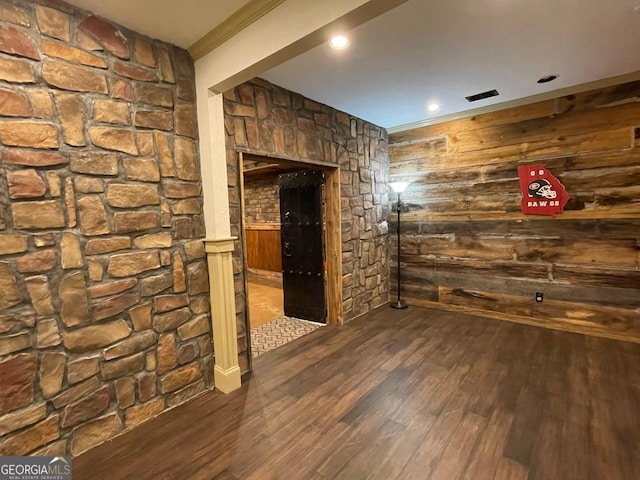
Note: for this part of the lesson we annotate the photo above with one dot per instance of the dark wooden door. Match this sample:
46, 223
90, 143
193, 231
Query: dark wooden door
302, 245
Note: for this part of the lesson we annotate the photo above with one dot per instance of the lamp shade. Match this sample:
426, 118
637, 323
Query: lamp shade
399, 187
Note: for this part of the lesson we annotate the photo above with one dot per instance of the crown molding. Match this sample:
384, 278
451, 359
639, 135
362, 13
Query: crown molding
238, 21
584, 87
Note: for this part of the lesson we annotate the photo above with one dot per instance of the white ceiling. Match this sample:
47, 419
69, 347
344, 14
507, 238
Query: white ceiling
181, 22
428, 50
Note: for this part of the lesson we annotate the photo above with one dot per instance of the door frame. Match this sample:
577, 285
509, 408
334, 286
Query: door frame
332, 236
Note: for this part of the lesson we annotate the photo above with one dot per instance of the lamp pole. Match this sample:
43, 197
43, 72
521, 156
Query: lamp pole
399, 304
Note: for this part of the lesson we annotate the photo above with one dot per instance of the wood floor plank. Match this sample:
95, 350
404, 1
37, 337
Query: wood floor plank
413, 394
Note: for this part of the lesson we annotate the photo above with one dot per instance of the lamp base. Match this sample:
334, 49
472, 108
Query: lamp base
400, 304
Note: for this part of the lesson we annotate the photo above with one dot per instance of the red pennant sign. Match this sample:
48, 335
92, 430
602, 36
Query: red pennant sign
542, 193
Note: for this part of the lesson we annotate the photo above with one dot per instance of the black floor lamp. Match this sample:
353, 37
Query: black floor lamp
398, 188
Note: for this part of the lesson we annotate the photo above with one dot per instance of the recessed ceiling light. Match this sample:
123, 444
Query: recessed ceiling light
547, 78
433, 107
339, 42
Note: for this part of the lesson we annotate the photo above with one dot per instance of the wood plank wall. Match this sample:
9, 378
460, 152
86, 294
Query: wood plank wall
263, 247
465, 243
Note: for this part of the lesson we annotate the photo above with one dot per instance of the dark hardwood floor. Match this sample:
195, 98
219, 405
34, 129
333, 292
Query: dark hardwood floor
413, 394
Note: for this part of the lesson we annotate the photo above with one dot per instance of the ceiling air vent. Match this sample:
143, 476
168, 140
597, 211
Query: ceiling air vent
482, 96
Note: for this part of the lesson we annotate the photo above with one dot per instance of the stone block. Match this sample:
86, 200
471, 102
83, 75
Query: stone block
16, 70
13, 104
171, 320
73, 297
111, 111
14, 343
141, 317
72, 77
32, 158
165, 66
165, 154
22, 418
53, 23
180, 189
37, 215
134, 72
41, 261
153, 240
28, 440
125, 392
190, 206
14, 14
131, 264
121, 89
187, 353
83, 368
94, 163
71, 116
135, 221
76, 392
155, 284
18, 374
111, 138
142, 169
146, 146
93, 217
25, 184
200, 304
16, 321
143, 53
98, 246
134, 344
165, 303
194, 250
147, 387
88, 184
71, 256
194, 328
17, 42
186, 161
186, 393
51, 373
111, 288
180, 377
107, 35
96, 270
71, 54
186, 91
153, 94
10, 244
40, 295
131, 195
29, 134
47, 333
114, 306
123, 366
41, 105
179, 278
55, 184
95, 336
8, 286
167, 357
94, 433
87, 408
141, 413
155, 119
185, 120
198, 278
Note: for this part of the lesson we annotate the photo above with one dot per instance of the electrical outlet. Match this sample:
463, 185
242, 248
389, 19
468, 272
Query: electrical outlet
539, 297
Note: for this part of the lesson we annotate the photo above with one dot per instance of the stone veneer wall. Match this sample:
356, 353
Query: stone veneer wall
262, 200
265, 119
104, 307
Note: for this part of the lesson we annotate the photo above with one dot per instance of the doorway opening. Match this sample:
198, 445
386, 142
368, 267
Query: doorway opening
273, 239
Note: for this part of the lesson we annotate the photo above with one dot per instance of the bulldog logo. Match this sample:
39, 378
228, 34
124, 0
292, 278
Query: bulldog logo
542, 193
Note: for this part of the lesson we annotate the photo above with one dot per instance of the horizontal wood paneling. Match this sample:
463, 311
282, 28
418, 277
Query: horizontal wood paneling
263, 247
466, 244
